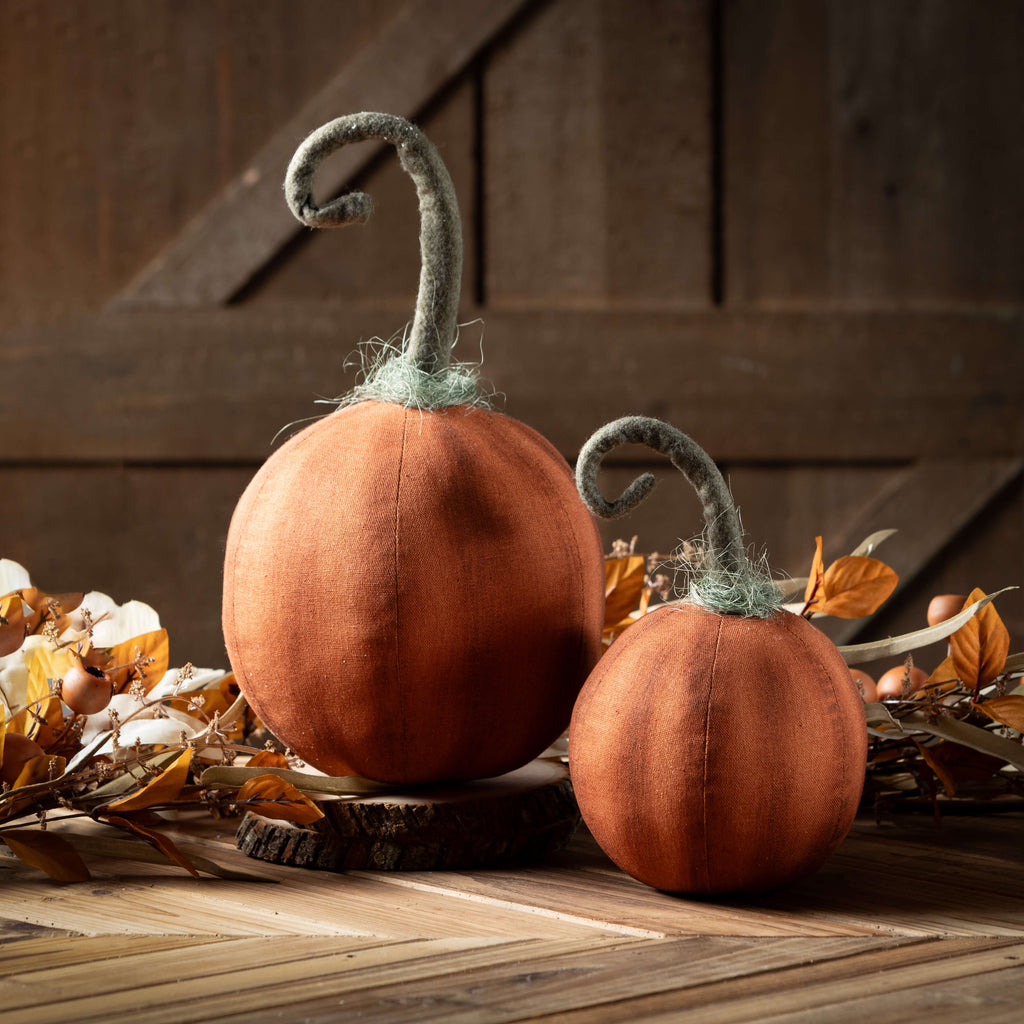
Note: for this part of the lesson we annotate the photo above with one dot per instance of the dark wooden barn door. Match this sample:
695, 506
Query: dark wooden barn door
791, 227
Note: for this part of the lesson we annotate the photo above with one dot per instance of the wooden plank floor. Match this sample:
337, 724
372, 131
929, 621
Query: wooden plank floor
905, 921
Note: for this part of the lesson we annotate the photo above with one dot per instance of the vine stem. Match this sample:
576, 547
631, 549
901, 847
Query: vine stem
434, 325
725, 537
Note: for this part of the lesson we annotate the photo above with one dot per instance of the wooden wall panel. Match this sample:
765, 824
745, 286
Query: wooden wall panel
122, 120
597, 157
872, 269
873, 152
797, 387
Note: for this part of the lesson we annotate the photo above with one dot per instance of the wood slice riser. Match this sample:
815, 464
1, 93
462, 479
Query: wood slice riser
520, 818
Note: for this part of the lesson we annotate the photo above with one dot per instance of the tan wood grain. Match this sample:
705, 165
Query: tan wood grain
992, 996
493, 946
38, 955
813, 989
231, 966
601, 977
434, 980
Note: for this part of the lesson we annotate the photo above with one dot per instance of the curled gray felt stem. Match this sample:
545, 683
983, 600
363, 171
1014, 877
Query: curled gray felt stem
434, 325
725, 537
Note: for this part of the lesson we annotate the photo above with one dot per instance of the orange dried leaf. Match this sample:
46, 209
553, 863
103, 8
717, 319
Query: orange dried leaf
153, 648
44, 723
267, 759
943, 677
979, 647
163, 843
38, 769
1005, 710
165, 788
854, 586
817, 572
623, 586
48, 852
48, 607
272, 797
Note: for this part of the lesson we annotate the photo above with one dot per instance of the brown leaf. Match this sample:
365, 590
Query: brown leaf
1005, 710
964, 764
938, 767
151, 648
979, 647
47, 852
272, 797
163, 789
44, 723
623, 585
157, 839
38, 769
48, 607
814, 578
854, 586
12, 623
943, 677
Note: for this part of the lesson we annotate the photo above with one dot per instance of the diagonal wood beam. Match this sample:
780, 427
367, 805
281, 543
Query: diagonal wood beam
910, 504
422, 48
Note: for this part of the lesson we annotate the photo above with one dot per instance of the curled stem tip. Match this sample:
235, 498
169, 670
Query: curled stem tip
725, 536
434, 325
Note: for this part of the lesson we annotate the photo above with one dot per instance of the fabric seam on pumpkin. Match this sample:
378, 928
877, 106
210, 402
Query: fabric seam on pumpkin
837, 833
707, 746
398, 631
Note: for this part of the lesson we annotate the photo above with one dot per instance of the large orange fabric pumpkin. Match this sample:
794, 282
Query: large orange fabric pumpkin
714, 752
413, 594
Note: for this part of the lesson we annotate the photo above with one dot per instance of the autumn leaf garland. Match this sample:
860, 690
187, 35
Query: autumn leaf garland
960, 733
146, 752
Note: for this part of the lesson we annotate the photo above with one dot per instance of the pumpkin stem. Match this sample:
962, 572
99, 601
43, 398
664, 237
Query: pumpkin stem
434, 325
726, 550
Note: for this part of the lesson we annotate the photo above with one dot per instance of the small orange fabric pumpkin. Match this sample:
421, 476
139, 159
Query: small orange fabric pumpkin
714, 749
413, 591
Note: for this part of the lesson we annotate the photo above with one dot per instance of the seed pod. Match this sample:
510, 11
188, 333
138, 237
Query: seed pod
86, 690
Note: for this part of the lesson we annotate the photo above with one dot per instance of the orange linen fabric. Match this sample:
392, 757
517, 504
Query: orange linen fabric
413, 596
713, 753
